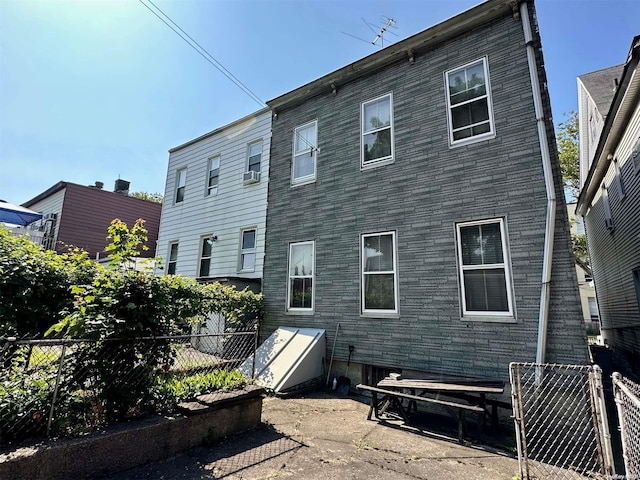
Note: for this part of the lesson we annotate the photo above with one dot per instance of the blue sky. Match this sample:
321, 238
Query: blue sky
99, 90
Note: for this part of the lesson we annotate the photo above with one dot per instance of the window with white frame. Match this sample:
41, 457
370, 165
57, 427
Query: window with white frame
301, 271
305, 138
484, 272
206, 243
593, 308
181, 182
248, 250
213, 175
469, 112
377, 130
379, 281
173, 258
254, 155
635, 155
608, 217
619, 181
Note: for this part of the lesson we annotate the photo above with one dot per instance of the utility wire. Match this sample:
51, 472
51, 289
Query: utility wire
202, 51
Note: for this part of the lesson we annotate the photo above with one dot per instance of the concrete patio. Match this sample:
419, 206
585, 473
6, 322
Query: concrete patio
325, 437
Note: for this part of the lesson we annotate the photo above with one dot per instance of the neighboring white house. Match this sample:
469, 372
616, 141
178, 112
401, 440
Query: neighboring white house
609, 200
214, 210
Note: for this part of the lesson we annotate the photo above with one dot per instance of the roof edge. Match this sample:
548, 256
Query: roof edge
219, 129
607, 142
419, 42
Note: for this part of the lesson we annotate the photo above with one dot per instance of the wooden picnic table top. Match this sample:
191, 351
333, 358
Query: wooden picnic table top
443, 384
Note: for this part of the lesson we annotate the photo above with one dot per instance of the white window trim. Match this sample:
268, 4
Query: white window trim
178, 186
171, 244
200, 257
299, 310
492, 129
467, 314
311, 150
376, 312
249, 145
212, 191
384, 160
621, 190
248, 250
608, 216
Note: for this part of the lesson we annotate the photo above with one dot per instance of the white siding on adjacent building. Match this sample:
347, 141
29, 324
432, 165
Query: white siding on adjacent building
234, 207
51, 205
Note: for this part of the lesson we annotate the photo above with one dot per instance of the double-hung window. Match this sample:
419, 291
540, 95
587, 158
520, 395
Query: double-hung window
301, 270
619, 182
377, 131
206, 243
181, 182
254, 155
635, 155
305, 139
379, 273
248, 250
608, 216
469, 112
484, 271
173, 258
213, 175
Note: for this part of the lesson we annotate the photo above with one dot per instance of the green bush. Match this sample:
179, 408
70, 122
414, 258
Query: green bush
172, 390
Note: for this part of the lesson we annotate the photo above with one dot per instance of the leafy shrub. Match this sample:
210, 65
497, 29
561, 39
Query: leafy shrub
172, 390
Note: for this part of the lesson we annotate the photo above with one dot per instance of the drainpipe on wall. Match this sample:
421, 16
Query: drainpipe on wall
543, 319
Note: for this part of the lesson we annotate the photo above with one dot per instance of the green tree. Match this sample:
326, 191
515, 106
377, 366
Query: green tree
150, 197
568, 142
567, 139
126, 244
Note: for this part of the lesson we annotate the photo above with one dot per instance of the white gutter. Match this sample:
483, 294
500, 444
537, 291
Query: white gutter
543, 319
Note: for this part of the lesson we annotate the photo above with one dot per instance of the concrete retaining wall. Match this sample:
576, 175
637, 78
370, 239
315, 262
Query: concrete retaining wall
209, 418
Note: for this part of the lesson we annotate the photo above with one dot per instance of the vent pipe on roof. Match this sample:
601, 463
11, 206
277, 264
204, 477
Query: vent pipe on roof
122, 187
99, 185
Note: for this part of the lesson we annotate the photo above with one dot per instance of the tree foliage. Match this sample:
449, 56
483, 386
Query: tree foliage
567, 139
150, 197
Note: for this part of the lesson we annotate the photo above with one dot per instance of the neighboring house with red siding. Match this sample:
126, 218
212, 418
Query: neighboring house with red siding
79, 215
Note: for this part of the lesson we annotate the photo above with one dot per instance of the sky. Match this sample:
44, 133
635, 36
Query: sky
94, 90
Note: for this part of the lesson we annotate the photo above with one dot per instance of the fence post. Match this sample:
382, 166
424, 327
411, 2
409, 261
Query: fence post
55, 389
601, 417
255, 349
617, 392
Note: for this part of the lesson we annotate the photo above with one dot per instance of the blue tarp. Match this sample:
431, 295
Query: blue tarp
17, 215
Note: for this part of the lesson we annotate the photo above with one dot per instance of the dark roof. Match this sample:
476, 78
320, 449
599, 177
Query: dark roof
460, 24
601, 86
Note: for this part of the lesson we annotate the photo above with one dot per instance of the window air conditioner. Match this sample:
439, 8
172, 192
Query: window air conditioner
609, 223
251, 177
50, 216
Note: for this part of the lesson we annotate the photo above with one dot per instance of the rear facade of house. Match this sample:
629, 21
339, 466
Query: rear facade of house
407, 203
214, 210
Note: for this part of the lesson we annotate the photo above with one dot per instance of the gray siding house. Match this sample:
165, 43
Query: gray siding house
609, 199
415, 198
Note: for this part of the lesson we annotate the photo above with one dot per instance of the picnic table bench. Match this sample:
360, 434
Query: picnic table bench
392, 391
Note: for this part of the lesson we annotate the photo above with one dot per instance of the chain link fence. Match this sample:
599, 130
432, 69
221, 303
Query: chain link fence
53, 388
560, 419
627, 397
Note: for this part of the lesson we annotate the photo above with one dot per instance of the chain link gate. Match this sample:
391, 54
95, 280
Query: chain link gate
627, 395
561, 423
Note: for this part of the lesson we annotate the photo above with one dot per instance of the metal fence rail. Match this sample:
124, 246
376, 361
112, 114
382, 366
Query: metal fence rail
560, 419
51, 388
627, 397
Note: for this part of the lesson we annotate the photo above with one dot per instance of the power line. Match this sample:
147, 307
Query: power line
202, 51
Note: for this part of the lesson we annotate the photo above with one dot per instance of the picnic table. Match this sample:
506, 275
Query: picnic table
458, 395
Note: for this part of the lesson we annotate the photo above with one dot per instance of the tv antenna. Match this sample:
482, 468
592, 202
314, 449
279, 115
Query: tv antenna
378, 41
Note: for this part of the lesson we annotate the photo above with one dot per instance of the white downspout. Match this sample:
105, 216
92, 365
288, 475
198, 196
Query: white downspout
543, 319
